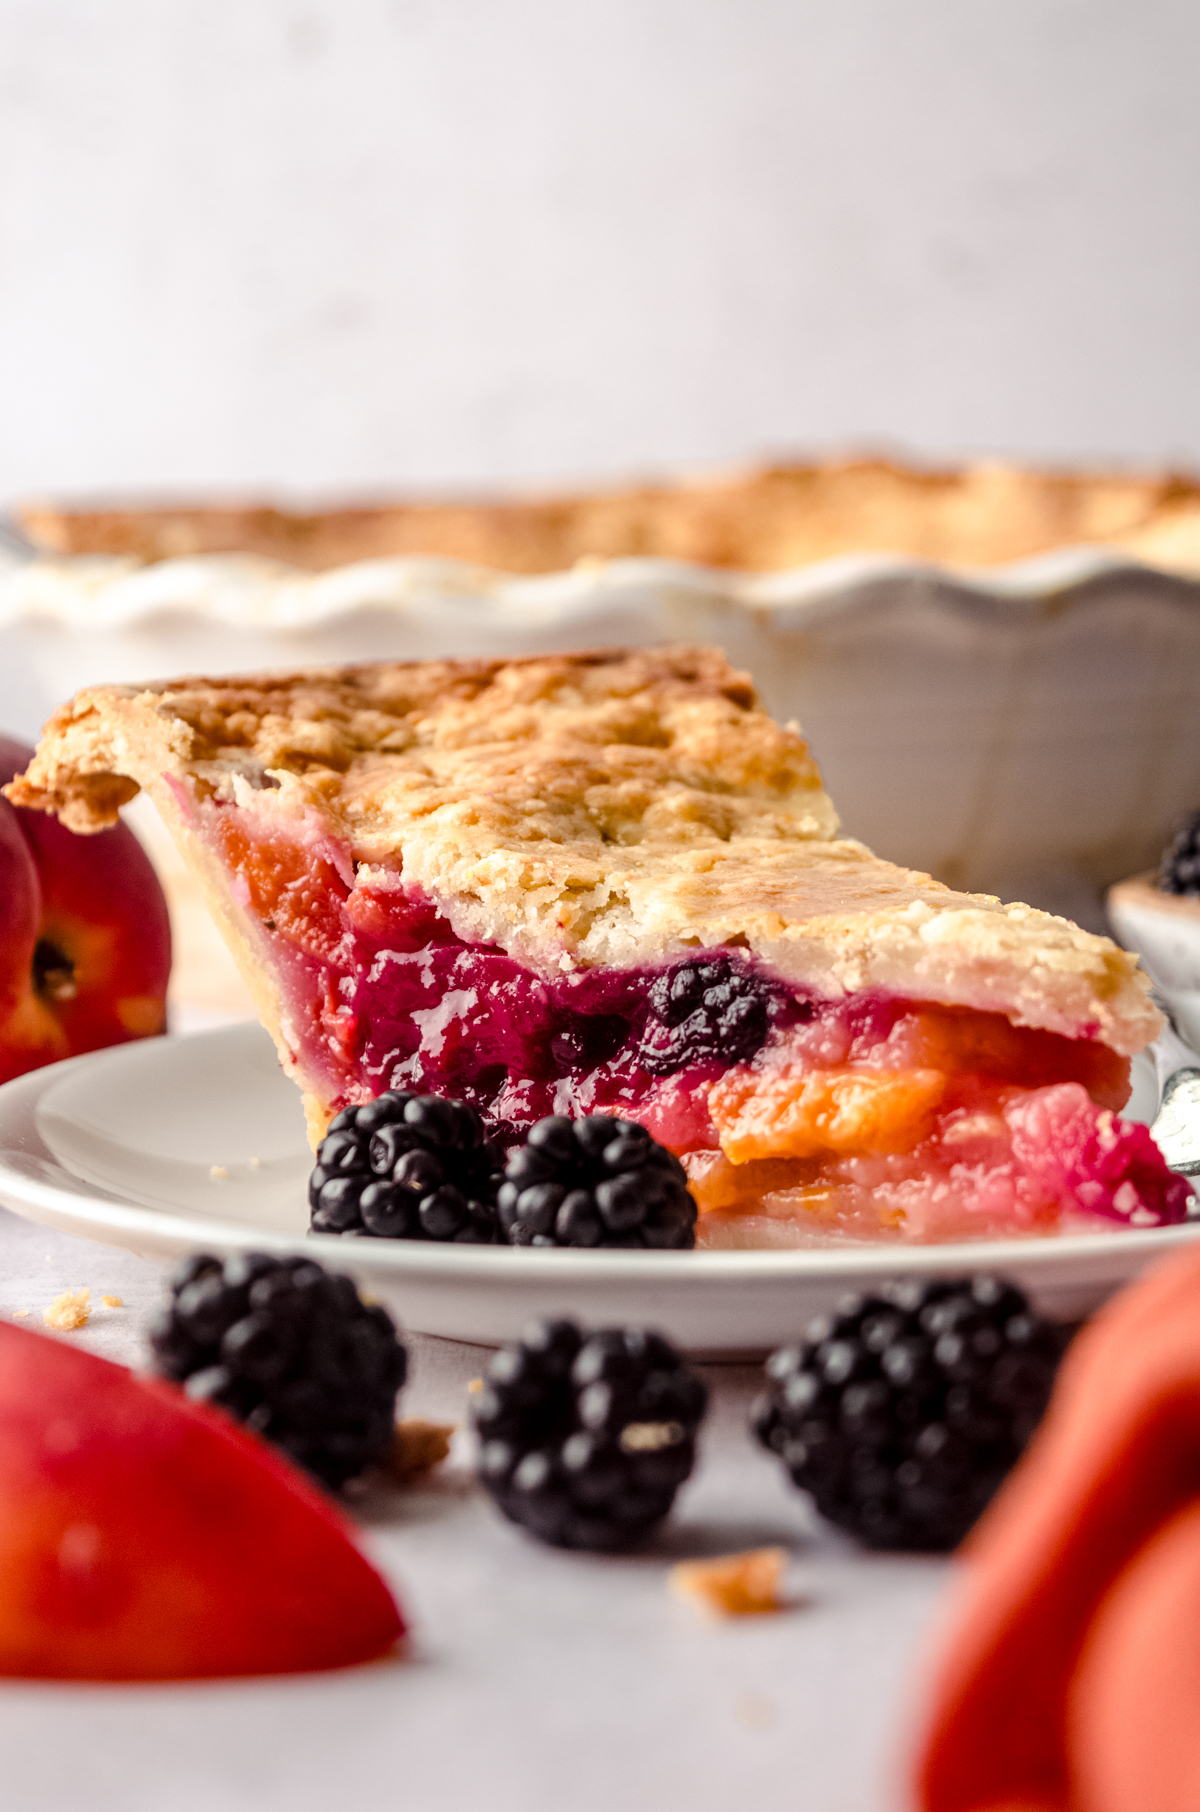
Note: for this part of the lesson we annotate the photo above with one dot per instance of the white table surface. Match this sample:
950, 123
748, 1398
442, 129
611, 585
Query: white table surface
537, 1681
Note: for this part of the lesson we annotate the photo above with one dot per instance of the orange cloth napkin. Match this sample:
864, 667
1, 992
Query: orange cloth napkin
1069, 1680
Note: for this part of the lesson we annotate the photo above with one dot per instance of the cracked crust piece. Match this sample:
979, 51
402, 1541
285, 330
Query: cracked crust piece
733, 1585
764, 521
71, 1309
609, 808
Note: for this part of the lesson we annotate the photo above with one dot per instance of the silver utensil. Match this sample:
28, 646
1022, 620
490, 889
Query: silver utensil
1176, 1126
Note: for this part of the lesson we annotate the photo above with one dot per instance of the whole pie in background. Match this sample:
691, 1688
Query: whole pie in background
760, 521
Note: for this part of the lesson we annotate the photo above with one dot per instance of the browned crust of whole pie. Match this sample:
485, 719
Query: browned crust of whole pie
609, 808
763, 521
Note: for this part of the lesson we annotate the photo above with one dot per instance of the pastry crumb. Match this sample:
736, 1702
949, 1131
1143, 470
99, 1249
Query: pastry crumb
254, 1163
112, 1302
650, 1437
218, 1171
733, 1585
20, 1314
69, 1310
417, 1447
475, 1386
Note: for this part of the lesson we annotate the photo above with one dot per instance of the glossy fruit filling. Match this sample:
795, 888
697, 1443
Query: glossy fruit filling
798, 1118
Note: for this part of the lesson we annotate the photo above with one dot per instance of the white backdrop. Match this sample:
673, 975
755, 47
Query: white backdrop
358, 243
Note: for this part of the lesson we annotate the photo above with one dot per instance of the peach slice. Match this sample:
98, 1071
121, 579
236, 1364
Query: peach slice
147, 1537
719, 1186
797, 1114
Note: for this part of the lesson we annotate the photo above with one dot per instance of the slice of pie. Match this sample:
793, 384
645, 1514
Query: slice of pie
610, 883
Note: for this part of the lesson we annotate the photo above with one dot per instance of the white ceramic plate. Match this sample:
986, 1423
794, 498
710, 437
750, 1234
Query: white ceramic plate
179, 1145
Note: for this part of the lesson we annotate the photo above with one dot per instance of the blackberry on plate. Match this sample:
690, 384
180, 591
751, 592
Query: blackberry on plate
291, 1350
1180, 868
406, 1167
902, 1413
705, 1010
598, 1181
586, 1438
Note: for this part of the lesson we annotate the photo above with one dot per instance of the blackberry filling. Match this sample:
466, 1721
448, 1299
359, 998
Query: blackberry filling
384, 995
797, 1117
707, 1010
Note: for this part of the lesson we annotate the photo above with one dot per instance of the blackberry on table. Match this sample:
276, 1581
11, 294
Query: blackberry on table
406, 1167
705, 1010
1180, 868
291, 1350
903, 1412
586, 1438
598, 1181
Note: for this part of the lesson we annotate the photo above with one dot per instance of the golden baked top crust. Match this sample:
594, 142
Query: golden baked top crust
601, 748
766, 521
587, 808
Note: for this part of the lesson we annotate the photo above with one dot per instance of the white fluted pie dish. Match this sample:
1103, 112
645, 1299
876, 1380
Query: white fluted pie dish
1032, 730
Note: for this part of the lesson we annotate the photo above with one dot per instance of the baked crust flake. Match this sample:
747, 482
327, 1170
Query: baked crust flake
733, 1585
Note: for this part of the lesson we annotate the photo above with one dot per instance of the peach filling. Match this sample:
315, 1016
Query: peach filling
952, 1126
798, 1118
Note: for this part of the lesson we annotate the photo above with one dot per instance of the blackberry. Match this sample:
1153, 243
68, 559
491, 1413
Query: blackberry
406, 1167
595, 1182
586, 1438
902, 1413
291, 1350
1180, 868
705, 1010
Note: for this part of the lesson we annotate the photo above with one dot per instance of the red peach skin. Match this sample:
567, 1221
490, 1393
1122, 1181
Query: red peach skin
149, 1538
1070, 1677
100, 926
22, 1028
